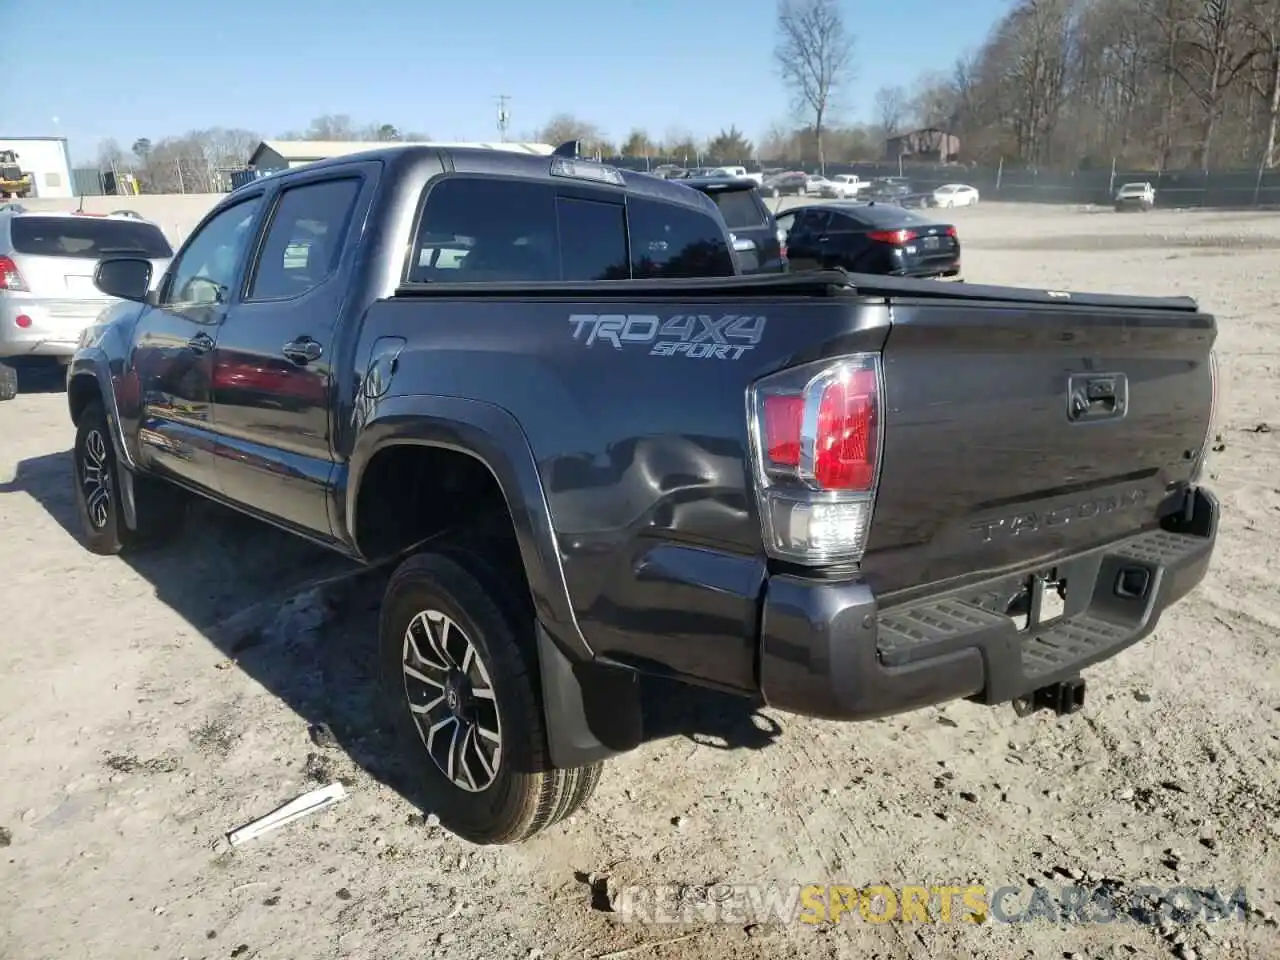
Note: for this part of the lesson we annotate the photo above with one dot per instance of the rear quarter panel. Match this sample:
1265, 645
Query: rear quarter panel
636, 416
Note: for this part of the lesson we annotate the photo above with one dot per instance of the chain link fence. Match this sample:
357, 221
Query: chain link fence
1174, 188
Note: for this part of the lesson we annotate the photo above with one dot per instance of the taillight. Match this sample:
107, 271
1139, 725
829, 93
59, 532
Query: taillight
951, 232
895, 237
816, 435
782, 243
10, 278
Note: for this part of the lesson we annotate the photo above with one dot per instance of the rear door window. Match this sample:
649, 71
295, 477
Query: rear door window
87, 238
739, 208
304, 241
671, 241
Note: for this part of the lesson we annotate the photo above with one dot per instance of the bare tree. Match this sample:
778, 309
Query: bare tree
1262, 19
564, 127
1212, 60
814, 54
891, 110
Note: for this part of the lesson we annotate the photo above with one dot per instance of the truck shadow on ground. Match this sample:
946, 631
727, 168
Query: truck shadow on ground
302, 622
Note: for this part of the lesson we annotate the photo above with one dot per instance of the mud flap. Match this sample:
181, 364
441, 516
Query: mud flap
592, 711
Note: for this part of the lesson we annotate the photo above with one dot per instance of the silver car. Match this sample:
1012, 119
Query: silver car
47, 260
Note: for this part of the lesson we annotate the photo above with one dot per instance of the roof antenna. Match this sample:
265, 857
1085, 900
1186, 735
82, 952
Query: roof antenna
570, 149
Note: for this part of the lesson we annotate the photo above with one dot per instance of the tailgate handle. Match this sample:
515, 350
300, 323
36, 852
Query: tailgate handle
1097, 397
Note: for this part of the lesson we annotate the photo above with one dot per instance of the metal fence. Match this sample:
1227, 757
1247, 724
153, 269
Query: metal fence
1174, 188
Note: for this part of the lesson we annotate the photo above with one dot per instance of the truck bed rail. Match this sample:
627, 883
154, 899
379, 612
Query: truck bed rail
811, 283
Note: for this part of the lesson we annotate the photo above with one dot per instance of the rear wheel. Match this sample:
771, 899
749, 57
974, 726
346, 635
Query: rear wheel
160, 507
460, 681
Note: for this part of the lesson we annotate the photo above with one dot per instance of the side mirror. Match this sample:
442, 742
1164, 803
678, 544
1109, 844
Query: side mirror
128, 278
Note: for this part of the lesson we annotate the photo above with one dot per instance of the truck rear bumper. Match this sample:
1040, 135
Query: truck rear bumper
827, 650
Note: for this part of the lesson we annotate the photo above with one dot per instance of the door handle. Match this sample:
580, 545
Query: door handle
200, 343
302, 351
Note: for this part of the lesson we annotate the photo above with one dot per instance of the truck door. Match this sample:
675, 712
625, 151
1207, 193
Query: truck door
173, 343
273, 372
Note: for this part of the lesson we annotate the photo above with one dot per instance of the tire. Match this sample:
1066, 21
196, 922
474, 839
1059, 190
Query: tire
444, 611
8, 382
161, 507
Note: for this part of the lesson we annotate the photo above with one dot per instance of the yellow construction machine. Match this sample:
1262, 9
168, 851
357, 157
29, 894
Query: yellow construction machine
13, 182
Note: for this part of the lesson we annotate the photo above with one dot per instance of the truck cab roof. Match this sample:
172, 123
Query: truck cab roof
487, 161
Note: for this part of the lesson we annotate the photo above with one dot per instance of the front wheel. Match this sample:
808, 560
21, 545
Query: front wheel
460, 681
160, 507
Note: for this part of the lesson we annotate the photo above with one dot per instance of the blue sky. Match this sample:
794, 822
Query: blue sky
436, 67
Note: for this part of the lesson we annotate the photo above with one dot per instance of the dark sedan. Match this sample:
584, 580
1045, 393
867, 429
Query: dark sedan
794, 183
870, 238
898, 191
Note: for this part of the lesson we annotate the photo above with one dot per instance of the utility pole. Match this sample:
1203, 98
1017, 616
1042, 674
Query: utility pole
504, 116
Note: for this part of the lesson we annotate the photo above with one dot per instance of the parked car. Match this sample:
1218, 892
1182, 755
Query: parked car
898, 191
758, 242
842, 186
870, 238
47, 261
793, 183
815, 183
1135, 196
596, 455
955, 195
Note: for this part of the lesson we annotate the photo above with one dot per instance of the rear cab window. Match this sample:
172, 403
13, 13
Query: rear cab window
482, 229
87, 238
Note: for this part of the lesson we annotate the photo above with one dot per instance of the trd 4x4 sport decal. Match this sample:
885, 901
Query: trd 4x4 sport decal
690, 335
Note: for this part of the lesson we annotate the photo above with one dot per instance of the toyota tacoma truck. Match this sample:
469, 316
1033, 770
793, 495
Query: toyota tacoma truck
597, 453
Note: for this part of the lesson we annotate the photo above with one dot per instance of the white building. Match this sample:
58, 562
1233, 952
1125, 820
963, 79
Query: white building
275, 155
47, 160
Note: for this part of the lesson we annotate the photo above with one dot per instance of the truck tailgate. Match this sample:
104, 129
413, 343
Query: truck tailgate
1017, 433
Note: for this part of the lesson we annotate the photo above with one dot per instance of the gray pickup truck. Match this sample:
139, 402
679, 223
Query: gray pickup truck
597, 454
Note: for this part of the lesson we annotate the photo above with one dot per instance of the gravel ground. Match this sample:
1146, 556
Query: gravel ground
150, 705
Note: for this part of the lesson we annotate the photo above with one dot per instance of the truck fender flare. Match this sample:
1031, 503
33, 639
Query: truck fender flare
592, 709
493, 436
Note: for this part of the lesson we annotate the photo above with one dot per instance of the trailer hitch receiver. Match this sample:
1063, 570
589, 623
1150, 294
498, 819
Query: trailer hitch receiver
1064, 697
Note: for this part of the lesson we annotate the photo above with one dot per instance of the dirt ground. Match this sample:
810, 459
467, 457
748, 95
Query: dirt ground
148, 706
